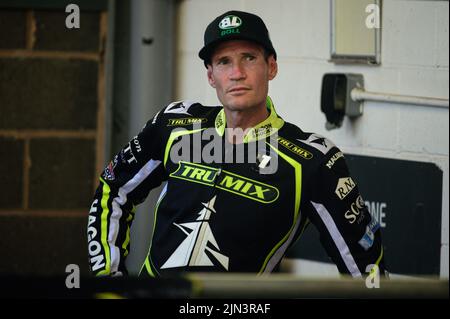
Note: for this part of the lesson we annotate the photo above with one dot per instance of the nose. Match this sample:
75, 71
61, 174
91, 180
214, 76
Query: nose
237, 72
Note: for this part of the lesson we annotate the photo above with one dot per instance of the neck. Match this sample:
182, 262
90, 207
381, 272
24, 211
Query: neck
239, 122
246, 119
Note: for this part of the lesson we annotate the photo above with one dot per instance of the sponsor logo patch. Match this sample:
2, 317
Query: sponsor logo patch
185, 121
179, 107
369, 236
230, 22
96, 259
356, 209
261, 131
333, 160
220, 123
344, 187
108, 173
200, 247
319, 142
227, 181
127, 153
230, 25
295, 148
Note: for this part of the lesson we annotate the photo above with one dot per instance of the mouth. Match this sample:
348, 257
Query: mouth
238, 89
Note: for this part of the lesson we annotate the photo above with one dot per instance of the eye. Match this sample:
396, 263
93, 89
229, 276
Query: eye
223, 61
250, 57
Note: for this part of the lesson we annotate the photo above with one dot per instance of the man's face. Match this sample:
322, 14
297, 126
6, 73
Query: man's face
240, 74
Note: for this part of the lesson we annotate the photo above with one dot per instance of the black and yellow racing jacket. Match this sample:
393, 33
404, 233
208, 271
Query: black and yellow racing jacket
229, 207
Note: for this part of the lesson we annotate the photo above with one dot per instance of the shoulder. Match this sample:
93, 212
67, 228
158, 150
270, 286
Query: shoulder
175, 116
308, 145
190, 109
184, 113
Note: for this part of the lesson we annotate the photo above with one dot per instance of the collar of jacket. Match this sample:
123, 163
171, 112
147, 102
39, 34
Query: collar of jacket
262, 130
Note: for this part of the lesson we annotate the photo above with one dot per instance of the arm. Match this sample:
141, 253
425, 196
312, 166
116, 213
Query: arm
124, 183
349, 234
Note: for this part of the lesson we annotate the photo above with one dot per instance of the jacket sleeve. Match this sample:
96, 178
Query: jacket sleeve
349, 234
124, 183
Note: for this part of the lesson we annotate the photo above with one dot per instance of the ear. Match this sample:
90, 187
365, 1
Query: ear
273, 67
210, 75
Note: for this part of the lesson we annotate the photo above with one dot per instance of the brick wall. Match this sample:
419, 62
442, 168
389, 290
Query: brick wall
51, 136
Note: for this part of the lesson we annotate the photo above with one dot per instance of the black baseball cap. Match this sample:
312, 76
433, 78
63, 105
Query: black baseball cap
235, 25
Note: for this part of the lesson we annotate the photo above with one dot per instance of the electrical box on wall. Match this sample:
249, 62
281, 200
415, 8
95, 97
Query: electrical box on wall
336, 100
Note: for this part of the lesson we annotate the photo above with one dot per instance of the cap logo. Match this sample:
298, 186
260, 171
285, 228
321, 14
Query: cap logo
230, 22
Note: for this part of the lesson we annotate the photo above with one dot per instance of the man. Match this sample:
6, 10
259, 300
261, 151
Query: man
241, 183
